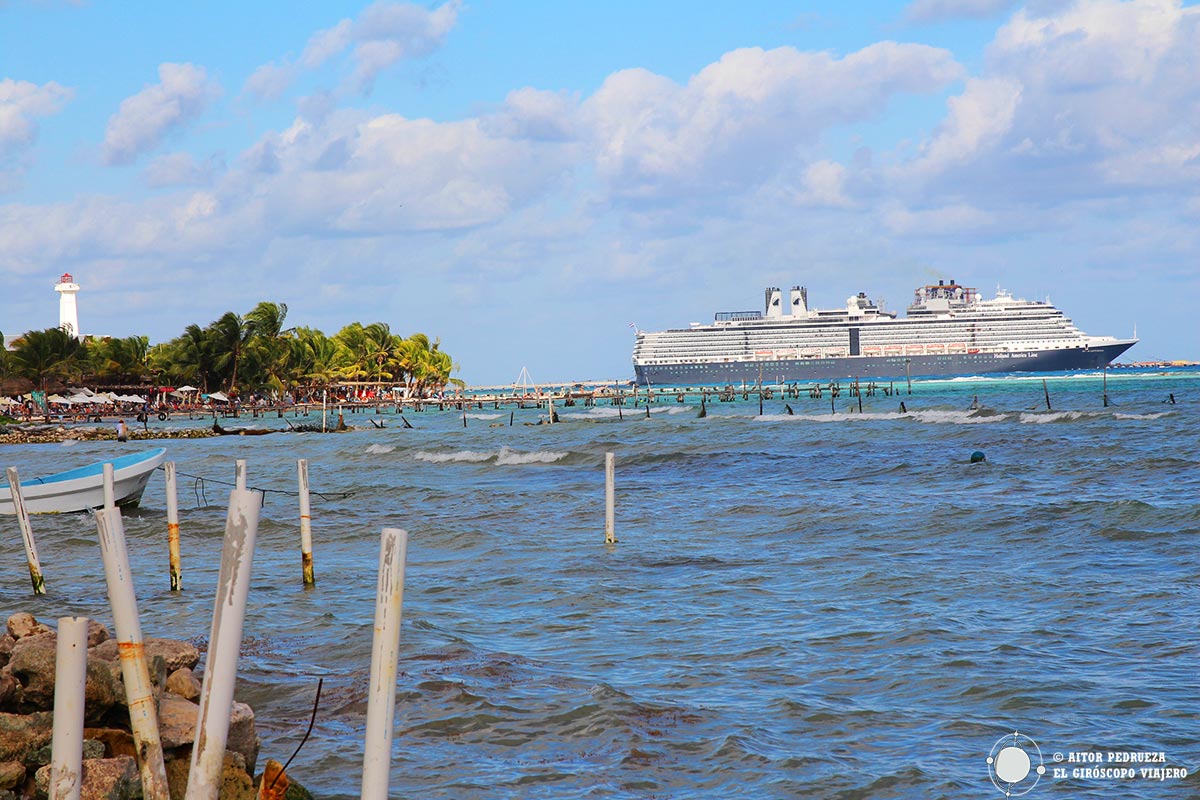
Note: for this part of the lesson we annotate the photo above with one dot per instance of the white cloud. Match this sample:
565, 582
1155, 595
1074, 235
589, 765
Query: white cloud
977, 119
824, 184
740, 118
143, 120
270, 81
384, 34
21, 105
179, 169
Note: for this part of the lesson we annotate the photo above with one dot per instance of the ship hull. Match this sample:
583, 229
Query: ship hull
771, 371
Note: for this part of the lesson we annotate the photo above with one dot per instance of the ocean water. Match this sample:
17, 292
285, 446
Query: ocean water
825, 605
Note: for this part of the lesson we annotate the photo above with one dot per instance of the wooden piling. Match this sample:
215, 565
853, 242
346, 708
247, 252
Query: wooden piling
1046, 389
173, 527
31, 553
306, 558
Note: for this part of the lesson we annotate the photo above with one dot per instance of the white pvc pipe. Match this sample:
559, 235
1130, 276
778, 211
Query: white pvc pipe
173, 527
324, 408
610, 512
70, 685
306, 558
224, 642
31, 553
385, 654
143, 714
239, 471
110, 497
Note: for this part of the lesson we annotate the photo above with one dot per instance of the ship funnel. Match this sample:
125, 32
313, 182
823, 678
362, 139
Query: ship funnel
799, 301
774, 302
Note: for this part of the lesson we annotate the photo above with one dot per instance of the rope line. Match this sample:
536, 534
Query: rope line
201, 495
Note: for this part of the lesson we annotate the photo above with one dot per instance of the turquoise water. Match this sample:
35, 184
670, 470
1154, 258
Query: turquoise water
808, 605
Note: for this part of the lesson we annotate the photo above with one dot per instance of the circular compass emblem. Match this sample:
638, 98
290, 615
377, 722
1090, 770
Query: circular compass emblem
1011, 764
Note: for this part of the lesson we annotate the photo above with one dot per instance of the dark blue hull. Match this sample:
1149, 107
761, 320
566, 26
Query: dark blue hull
877, 368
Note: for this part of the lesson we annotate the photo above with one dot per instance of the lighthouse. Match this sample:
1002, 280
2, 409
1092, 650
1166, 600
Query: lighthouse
68, 313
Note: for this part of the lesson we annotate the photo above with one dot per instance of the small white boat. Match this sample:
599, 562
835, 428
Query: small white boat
83, 488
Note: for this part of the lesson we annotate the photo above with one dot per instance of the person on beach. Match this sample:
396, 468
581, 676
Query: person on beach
122, 431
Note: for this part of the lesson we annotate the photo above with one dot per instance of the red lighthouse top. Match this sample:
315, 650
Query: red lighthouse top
66, 278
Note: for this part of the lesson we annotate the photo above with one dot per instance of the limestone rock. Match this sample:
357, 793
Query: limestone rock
8, 689
22, 733
103, 779
176, 720
242, 736
97, 633
236, 783
176, 655
11, 774
6, 645
184, 683
32, 664
23, 624
116, 742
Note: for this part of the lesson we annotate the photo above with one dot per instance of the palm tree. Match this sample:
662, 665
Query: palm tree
268, 351
50, 354
229, 336
120, 359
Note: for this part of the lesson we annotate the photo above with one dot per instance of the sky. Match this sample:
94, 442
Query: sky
523, 180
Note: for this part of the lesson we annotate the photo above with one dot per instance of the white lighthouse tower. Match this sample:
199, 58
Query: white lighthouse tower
68, 312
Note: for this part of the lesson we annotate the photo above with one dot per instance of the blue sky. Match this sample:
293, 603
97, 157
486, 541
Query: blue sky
524, 179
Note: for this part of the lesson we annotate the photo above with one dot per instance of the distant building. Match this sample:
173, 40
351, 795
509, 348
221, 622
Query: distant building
68, 312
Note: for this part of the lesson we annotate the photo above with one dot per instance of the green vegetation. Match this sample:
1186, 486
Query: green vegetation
238, 355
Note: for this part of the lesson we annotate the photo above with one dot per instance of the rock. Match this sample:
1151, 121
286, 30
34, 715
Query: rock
97, 633
8, 689
176, 655
6, 645
116, 742
176, 720
103, 779
21, 733
42, 756
11, 774
236, 783
184, 683
22, 624
32, 664
243, 738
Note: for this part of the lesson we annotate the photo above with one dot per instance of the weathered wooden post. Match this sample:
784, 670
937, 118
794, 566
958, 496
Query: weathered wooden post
224, 642
31, 554
306, 558
173, 527
610, 516
385, 654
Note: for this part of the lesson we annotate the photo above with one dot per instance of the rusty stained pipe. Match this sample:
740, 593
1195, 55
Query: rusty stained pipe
173, 527
139, 693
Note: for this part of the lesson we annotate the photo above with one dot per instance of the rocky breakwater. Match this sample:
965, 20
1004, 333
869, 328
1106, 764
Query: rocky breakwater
110, 771
53, 433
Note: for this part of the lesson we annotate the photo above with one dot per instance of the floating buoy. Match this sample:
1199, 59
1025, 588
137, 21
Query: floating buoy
978, 456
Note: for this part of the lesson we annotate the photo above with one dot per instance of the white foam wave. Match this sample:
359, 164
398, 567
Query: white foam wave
1053, 416
503, 457
484, 416
379, 449
932, 417
1156, 415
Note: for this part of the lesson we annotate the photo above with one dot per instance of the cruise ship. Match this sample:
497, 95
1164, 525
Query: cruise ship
948, 330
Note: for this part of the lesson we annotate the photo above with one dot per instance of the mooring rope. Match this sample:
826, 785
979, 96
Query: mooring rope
202, 496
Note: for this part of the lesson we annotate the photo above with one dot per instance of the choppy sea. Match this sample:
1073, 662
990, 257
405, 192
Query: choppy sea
825, 604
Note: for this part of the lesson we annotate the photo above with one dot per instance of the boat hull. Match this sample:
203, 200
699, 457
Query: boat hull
891, 367
82, 489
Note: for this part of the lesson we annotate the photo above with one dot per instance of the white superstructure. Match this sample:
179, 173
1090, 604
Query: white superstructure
68, 312
943, 321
